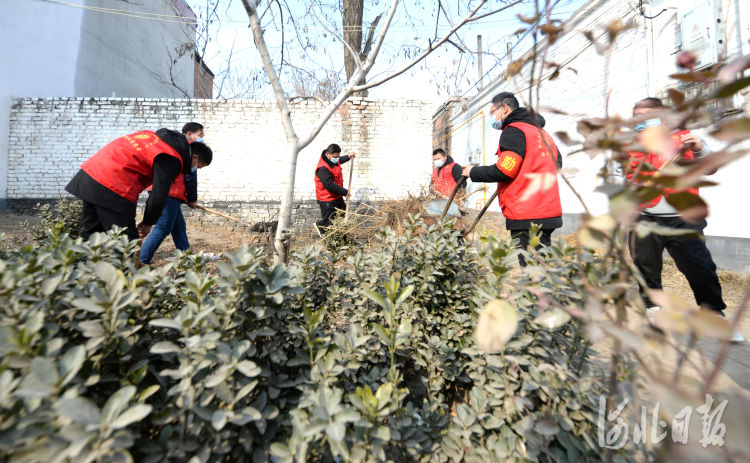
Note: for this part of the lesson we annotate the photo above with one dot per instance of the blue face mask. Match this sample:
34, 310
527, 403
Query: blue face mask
200, 139
335, 160
439, 163
649, 123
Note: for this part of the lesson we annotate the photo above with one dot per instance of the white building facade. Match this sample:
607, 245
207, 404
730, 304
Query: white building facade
99, 48
639, 66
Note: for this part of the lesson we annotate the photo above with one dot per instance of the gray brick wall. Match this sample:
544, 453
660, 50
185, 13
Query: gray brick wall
50, 137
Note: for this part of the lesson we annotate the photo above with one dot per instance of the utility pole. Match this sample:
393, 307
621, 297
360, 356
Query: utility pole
479, 62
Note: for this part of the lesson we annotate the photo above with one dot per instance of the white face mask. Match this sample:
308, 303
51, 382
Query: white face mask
438, 163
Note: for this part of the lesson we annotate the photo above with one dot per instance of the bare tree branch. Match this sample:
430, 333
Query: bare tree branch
433, 46
350, 88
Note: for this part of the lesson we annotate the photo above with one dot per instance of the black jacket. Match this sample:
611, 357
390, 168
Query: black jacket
166, 169
513, 139
326, 178
456, 171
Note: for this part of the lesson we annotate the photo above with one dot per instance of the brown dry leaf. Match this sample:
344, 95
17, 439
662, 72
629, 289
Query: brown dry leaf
730, 71
658, 140
600, 47
623, 208
496, 325
590, 238
734, 130
615, 27
528, 19
709, 324
553, 110
515, 67
676, 96
552, 31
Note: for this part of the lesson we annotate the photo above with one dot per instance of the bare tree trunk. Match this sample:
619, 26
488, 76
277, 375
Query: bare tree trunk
283, 232
353, 12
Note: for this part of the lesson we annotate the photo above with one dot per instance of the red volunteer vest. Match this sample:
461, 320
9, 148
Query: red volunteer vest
320, 191
443, 181
126, 165
178, 189
655, 161
537, 159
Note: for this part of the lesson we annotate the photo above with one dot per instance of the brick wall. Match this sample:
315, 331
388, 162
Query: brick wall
49, 139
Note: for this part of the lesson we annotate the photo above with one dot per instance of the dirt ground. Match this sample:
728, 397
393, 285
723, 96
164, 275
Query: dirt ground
219, 238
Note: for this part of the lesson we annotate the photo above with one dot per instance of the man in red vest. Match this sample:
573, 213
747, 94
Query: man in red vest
445, 173
690, 254
526, 154
110, 181
183, 190
329, 185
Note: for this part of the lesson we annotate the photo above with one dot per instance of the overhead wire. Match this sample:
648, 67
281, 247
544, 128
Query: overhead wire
194, 21
128, 13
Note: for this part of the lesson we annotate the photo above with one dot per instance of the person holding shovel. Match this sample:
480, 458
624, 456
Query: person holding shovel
183, 190
525, 155
446, 173
110, 181
329, 185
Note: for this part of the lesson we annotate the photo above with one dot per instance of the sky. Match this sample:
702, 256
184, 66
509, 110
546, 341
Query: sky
433, 80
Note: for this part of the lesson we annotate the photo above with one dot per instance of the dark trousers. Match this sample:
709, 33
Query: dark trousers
690, 254
99, 219
327, 211
523, 237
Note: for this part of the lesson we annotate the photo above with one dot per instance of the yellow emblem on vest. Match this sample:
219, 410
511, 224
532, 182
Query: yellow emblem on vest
508, 163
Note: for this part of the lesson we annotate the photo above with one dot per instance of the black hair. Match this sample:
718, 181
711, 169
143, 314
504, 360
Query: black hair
505, 98
333, 148
438, 151
649, 102
191, 127
205, 155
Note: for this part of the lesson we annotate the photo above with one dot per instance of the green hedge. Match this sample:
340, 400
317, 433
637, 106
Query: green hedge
341, 356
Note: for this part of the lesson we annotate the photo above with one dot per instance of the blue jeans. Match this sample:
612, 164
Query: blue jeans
171, 222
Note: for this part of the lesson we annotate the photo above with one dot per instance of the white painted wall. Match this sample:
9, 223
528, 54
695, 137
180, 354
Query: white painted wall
52, 50
633, 75
50, 138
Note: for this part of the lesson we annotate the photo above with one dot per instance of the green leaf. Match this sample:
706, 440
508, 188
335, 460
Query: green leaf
217, 377
88, 304
375, 297
70, 363
547, 427
91, 328
166, 323
131, 415
116, 404
164, 347
79, 409
106, 271
249, 368
50, 285
552, 319
41, 380
219, 419
336, 431
404, 294
246, 415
